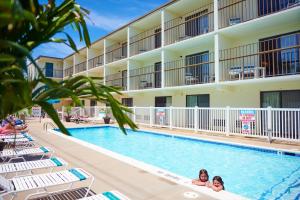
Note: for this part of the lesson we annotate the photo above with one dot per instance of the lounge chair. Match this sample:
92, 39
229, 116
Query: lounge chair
42, 182
111, 195
20, 153
50, 163
12, 136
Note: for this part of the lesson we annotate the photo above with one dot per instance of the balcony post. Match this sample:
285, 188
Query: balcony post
128, 81
128, 41
104, 62
217, 63
162, 28
163, 68
62, 113
216, 17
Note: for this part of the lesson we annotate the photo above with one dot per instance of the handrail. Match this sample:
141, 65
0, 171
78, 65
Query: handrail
46, 124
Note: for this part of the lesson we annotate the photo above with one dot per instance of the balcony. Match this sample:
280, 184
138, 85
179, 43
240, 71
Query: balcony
118, 80
55, 73
68, 71
191, 70
267, 58
238, 11
146, 77
190, 25
146, 41
116, 52
80, 67
96, 61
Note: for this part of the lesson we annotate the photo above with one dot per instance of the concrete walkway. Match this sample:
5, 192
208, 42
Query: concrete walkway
111, 174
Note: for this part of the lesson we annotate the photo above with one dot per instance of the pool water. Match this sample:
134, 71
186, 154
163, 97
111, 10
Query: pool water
253, 173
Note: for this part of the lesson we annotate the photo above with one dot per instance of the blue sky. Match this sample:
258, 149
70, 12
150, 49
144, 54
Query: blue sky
105, 16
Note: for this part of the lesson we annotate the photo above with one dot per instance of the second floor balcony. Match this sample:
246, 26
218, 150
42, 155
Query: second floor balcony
68, 71
116, 52
118, 80
271, 57
146, 77
80, 67
192, 70
96, 61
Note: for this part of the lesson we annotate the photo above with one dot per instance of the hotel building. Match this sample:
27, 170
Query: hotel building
205, 53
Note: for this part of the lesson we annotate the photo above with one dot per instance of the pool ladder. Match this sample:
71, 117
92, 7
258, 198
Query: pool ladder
46, 126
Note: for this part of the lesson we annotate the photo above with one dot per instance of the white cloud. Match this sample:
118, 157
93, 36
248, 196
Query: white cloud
53, 49
107, 23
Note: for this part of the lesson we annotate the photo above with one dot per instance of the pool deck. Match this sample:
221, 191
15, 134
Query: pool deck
112, 174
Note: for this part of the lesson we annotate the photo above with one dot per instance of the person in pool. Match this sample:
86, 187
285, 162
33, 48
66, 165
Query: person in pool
217, 184
203, 178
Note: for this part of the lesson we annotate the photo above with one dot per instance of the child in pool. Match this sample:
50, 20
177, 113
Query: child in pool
203, 178
217, 184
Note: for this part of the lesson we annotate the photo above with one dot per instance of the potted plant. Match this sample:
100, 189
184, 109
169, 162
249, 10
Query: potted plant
68, 111
106, 118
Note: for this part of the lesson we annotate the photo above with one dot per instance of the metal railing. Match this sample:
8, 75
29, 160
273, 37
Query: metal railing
270, 123
145, 41
68, 71
116, 80
96, 61
80, 67
192, 24
233, 12
145, 78
258, 61
192, 70
116, 52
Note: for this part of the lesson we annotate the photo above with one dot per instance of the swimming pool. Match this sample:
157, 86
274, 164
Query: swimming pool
250, 172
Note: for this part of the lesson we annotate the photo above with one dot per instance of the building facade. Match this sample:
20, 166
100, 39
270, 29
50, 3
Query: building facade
205, 53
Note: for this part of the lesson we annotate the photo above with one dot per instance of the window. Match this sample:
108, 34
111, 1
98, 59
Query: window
124, 50
195, 71
266, 7
163, 101
197, 23
93, 103
281, 99
278, 61
200, 100
157, 75
157, 38
124, 79
127, 102
48, 69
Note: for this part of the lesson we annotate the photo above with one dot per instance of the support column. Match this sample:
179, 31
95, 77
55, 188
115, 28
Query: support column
104, 61
87, 61
163, 68
128, 81
162, 28
216, 42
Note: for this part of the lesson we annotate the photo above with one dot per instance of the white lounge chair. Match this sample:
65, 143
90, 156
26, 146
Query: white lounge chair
111, 195
12, 136
50, 163
20, 153
42, 182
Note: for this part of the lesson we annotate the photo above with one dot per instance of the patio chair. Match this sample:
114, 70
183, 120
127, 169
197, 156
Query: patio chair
111, 195
42, 182
20, 153
29, 166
